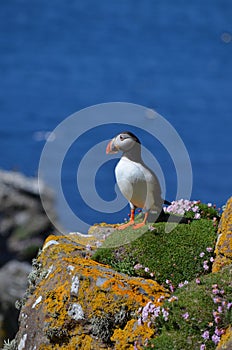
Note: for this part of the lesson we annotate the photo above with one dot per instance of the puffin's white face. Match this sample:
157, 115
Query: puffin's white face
122, 142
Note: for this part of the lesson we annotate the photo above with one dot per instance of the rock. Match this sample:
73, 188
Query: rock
23, 222
13, 277
224, 243
74, 302
223, 258
226, 340
23, 227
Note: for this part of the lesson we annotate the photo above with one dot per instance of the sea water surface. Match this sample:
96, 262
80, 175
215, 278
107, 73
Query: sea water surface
58, 57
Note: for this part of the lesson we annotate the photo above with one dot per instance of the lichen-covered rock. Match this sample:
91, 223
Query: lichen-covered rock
13, 277
226, 340
224, 244
74, 302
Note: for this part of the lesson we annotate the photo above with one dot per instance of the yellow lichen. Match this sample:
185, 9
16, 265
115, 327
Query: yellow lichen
102, 293
130, 335
224, 245
225, 340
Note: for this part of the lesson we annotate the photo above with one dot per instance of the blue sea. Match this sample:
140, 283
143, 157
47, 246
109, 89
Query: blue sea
58, 57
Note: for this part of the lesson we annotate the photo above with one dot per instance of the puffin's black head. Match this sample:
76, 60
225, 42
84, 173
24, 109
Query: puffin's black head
124, 142
133, 136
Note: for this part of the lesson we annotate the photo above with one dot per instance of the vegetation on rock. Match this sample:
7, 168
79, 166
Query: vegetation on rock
198, 314
178, 255
159, 291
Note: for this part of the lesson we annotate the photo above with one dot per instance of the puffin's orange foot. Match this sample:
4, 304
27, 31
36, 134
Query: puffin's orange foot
141, 224
122, 227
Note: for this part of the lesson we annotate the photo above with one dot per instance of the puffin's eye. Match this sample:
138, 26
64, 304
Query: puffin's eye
121, 138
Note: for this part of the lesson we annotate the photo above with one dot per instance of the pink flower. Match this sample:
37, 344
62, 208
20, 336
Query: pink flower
165, 314
205, 266
146, 269
217, 300
205, 335
215, 291
220, 310
197, 216
201, 254
185, 316
209, 249
229, 306
198, 281
219, 332
138, 266
202, 347
215, 339
195, 208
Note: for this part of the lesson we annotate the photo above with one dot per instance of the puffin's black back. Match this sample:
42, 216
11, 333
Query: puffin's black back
132, 135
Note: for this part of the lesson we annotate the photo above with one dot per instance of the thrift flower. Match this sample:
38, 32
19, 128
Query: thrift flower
219, 332
215, 339
205, 266
156, 312
198, 281
185, 316
201, 254
205, 335
146, 269
209, 249
220, 310
216, 300
197, 216
165, 314
215, 291
202, 347
138, 266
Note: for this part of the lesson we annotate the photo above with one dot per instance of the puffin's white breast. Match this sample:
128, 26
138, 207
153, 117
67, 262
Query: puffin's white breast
138, 184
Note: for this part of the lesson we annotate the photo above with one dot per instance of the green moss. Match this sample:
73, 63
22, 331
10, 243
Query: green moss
171, 255
179, 333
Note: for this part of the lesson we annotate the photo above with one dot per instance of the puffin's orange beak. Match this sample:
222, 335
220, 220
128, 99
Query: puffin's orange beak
111, 148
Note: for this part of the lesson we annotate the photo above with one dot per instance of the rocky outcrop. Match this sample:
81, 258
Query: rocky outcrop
23, 222
76, 303
224, 258
23, 228
73, 302
224, 244
13, 277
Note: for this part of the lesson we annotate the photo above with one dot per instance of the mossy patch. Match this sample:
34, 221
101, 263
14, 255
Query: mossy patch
171, 255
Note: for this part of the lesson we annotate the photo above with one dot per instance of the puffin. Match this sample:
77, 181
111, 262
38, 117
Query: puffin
137, 183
